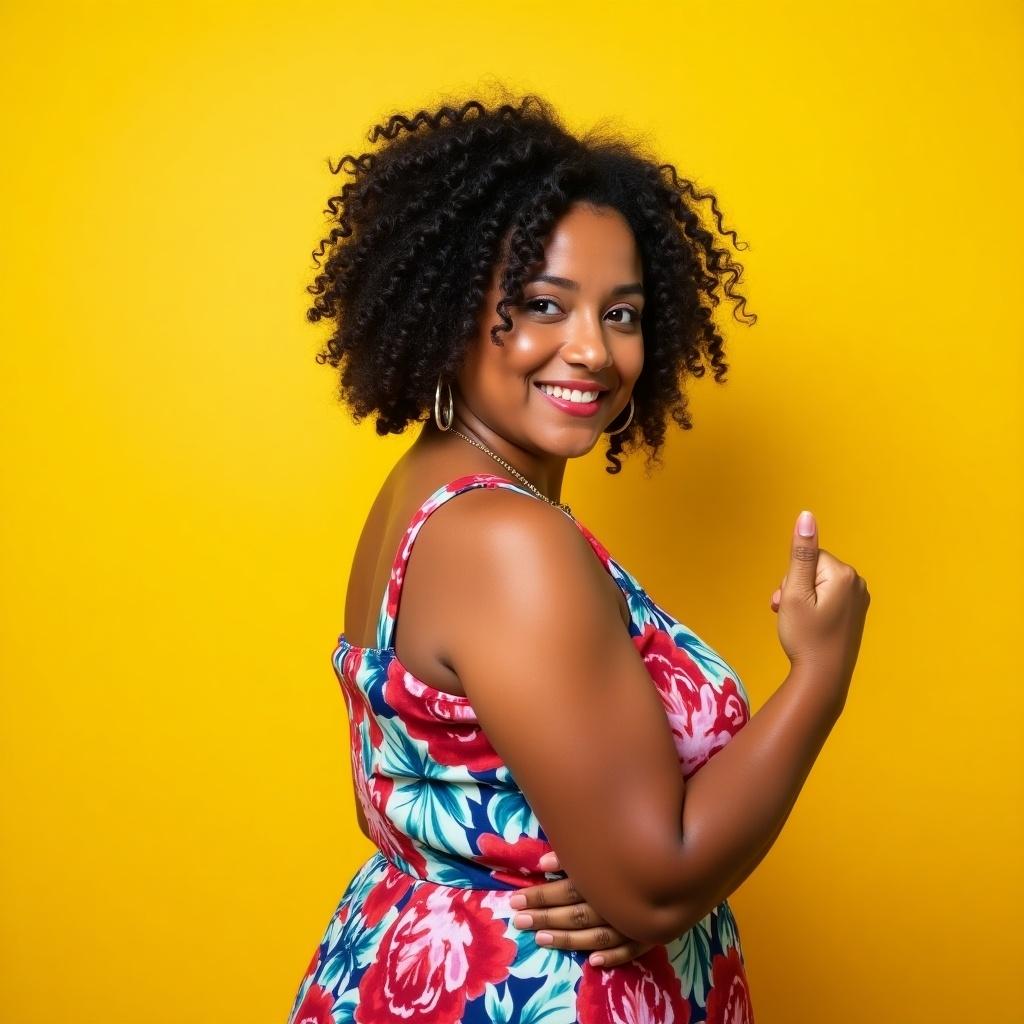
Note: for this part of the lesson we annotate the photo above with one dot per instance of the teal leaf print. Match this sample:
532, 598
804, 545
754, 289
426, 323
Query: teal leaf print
551, 1003
447, 874
499, 1008
533, 961
708, 660
511, 816
344, 1009
642, 610
639, 610
366, 749
726, 923
435, 815
353, 947
692, 961
332, 970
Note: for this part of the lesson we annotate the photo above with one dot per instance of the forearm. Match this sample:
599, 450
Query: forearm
758, 854
736, 804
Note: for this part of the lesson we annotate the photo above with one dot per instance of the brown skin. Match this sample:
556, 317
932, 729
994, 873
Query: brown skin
574, 714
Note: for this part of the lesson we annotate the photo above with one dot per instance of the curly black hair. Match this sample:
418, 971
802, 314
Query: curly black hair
419, 231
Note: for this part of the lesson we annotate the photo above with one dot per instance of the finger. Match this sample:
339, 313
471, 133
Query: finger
570, 918
550, 862
776, 598
587, 938
547, 894
618, 955
803, 566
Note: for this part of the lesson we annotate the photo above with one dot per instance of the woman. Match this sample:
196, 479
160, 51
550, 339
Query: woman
508, 712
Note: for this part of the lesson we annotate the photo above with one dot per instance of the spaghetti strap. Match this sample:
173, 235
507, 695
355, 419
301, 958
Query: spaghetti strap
393, 590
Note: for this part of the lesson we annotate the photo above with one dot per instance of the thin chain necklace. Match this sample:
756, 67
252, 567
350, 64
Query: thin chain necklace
558, 504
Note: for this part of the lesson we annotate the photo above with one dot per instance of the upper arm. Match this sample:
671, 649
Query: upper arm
565, 699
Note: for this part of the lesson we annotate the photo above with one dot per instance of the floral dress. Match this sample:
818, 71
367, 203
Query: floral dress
423, 933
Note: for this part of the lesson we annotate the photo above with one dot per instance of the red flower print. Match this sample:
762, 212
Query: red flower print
357, 703
516, 863
351, 661
599, 549
314, 963
703, 718
387, 838
315, 1008
644, 991
447, 722
441, 950
385, 894
729, 998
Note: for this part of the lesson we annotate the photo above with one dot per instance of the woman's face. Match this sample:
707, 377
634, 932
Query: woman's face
581, 331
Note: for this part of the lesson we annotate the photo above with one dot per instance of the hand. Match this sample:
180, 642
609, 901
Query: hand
822, 603
558, 909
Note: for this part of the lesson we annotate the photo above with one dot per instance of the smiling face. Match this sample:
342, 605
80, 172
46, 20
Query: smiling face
578, 327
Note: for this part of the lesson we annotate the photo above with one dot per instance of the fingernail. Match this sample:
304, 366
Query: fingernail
517, 902
545, 938
805, 524
596, 960
523, 920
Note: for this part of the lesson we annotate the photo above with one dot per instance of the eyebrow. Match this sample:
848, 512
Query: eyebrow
636, 288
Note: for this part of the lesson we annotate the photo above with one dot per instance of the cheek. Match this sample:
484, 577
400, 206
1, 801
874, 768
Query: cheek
630, 361
497, 373
526, 350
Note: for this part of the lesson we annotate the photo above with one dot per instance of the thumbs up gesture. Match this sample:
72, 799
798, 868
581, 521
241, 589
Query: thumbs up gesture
821, 603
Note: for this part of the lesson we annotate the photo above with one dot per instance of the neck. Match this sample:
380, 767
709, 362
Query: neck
543, 470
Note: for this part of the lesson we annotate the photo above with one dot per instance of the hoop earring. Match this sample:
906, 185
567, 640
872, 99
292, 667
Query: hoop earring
632, 409
437, 407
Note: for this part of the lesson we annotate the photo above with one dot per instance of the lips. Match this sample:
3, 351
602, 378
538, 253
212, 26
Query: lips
582, 409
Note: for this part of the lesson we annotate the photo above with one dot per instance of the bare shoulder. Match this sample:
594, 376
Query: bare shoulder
519, 572
493, 513
503, 542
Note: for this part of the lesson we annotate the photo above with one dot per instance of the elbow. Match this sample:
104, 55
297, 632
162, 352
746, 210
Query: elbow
634, 913
669, 923
658, 921
677, 897
660, 924
674, 902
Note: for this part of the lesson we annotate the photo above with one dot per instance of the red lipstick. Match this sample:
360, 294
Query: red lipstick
582, 409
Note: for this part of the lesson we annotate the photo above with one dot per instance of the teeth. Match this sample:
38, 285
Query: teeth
567, 395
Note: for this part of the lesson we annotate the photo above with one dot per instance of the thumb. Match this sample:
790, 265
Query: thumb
803, 568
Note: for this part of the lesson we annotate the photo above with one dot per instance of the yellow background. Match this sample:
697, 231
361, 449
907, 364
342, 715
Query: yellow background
181, 495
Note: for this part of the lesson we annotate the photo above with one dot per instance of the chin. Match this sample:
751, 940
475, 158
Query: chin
570, 448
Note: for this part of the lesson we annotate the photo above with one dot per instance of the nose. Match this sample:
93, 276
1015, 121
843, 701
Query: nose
587, 347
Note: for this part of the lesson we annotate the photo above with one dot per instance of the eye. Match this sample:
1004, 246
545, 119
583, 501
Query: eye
534, 302
626, 309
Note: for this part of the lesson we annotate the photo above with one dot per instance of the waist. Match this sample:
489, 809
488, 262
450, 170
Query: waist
485, 861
